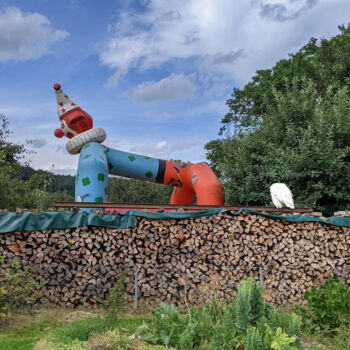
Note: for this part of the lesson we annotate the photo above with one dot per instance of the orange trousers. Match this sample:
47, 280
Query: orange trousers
193, 180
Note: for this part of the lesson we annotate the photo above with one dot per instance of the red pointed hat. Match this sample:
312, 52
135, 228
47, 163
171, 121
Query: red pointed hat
73, 119
64, 103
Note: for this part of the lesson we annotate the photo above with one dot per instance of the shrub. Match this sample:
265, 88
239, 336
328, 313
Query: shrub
327, 306
18, 289
249, 303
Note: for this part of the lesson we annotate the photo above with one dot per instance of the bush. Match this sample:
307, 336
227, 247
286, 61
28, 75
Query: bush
249, 303
327, 307
18, 289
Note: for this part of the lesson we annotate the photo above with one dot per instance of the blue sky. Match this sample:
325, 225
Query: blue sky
154, 74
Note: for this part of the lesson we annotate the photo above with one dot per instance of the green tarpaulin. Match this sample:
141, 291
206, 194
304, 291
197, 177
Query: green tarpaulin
27, 221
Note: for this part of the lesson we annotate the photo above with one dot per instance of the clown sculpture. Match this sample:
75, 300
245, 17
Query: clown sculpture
190, 180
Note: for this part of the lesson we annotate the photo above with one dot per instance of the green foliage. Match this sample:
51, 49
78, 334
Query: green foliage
290, 124
17, 289
328, 306
200, 325
249, 304
20, 185
247, 322
294, 328
167, 325
279, 340
340, 338
255, 340
122, 190
79, 330
225, 335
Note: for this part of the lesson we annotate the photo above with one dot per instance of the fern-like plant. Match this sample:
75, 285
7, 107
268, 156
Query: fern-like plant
249, 303
256, 340
114, 303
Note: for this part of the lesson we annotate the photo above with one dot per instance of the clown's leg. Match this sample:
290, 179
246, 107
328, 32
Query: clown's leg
208, 189
182, 195
92, 177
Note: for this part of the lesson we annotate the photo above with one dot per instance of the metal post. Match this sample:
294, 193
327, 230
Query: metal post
261, 275
136, 285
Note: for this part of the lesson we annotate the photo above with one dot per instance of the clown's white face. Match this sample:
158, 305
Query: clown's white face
66, 129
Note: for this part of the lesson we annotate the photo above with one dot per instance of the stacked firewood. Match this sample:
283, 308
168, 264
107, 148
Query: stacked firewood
183, 261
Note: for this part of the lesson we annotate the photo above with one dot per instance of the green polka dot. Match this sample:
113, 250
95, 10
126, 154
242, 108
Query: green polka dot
103, 158
100, 177
86, 181
98, 199
149, 174
87, 156
106, 190
110, 166
132, 158
86, 146
147, 157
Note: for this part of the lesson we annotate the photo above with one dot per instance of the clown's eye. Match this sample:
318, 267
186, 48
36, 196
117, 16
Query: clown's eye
62, 126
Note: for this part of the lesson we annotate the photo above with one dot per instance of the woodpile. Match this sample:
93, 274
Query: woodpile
183, 261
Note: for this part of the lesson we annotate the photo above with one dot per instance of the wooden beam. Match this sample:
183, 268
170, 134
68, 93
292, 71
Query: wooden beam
175, 207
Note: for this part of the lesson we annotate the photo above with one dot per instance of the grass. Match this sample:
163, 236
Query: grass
25, 329
62, 329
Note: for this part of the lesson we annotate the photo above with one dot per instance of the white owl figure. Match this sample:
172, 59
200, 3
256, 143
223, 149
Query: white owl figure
281, 195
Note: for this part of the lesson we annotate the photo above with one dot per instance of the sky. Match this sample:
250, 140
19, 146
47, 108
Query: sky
154, 74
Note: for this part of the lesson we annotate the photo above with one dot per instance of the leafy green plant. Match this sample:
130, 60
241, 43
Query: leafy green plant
249, 303
18, 289
280, 340
225, 335
255, 340
166, 325
328, 306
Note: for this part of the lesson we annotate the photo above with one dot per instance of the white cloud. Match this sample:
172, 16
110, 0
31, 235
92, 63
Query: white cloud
225, 39
190, 149
38, 143
26, 36
161, 145
170, 88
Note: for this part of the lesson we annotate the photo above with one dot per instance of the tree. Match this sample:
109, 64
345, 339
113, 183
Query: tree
20, 185
123, 190
291, 124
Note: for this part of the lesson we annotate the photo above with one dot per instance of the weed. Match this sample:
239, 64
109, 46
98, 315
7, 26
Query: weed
115, 302
79, 330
